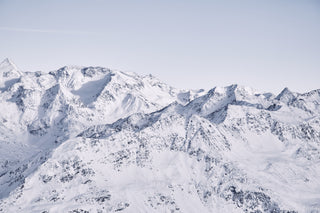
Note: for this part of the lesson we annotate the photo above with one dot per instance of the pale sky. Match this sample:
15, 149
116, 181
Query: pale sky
264, 44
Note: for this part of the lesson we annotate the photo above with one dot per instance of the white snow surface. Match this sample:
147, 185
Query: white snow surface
91, 139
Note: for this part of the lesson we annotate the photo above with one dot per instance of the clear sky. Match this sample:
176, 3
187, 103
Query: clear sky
264, 44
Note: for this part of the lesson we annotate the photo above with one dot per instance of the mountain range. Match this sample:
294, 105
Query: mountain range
91, 139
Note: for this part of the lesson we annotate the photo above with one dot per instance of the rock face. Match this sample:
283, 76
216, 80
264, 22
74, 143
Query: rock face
89, 139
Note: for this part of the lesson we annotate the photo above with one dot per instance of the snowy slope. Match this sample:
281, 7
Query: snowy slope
41, 110
95, 140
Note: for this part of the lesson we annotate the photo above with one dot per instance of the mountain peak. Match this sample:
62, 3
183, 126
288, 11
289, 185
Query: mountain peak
9, 70
284, 92
286, 95
8, 63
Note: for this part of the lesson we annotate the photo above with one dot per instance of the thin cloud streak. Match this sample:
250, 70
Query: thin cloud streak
30, 30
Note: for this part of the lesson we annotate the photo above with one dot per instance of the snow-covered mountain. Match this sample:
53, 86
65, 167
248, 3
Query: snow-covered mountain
90, 139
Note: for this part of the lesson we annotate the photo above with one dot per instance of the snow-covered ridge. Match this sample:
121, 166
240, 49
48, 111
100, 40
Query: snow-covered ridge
91, 139
41, 110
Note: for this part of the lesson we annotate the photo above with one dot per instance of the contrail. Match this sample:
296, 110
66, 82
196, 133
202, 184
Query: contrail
30, 30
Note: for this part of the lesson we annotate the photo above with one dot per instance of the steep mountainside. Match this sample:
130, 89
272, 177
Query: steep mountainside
89, 139
39, 111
